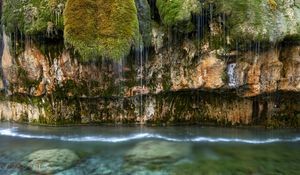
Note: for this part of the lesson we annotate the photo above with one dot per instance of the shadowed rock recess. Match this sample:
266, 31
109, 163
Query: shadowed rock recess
204, 62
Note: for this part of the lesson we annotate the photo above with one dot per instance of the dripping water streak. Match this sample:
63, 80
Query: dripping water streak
141, 76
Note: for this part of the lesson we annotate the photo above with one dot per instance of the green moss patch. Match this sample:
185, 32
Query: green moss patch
173, 12
106, 28
33, 17
259, 20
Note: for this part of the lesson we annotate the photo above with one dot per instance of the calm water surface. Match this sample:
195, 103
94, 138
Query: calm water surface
154, 150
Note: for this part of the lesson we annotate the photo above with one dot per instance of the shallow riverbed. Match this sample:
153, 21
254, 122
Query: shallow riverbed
147, 150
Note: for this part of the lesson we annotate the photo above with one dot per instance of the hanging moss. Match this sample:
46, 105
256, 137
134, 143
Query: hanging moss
173, 12
33, 17
106, 28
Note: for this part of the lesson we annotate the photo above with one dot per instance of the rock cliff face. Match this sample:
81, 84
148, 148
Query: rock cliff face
204, 64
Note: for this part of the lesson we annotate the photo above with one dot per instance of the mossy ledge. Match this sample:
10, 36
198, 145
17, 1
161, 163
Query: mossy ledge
101, 28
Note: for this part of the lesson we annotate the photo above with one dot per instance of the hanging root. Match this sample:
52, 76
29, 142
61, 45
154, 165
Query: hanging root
273, 4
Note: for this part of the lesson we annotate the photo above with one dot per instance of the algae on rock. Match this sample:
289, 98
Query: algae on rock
98, 28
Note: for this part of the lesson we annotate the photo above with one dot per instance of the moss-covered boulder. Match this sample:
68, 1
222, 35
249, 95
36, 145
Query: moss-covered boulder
178, 12
33, 17
260, 20
106, 28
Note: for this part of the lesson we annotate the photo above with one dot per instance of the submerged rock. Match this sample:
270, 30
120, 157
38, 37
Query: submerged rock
154, 157
157, 152
50, 161
144, 171
94, 166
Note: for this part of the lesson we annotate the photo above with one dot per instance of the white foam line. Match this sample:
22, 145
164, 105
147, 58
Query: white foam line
251, 141
13, 133
106, 139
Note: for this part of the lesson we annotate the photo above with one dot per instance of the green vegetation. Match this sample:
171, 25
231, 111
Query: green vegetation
247, 19
283, 120
259, 20
106, 28
32, 17
94, 28
175, 12
109, 29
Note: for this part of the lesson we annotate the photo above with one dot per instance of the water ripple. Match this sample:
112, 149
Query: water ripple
13, 132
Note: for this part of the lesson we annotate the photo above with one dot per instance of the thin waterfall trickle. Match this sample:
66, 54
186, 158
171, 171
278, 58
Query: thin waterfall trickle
120, 77
2, 35
232, 81
140, 77
141, 89
4, 81
210, 20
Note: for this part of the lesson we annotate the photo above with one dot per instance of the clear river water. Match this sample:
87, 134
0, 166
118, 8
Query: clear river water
153, 150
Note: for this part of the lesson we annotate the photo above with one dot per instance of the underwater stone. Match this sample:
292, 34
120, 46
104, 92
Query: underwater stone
157, 152
50, 161
94, 166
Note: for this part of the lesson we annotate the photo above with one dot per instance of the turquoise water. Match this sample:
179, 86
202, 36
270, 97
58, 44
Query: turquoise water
148, 150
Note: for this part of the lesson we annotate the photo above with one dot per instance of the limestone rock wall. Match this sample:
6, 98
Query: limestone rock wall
212, 66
